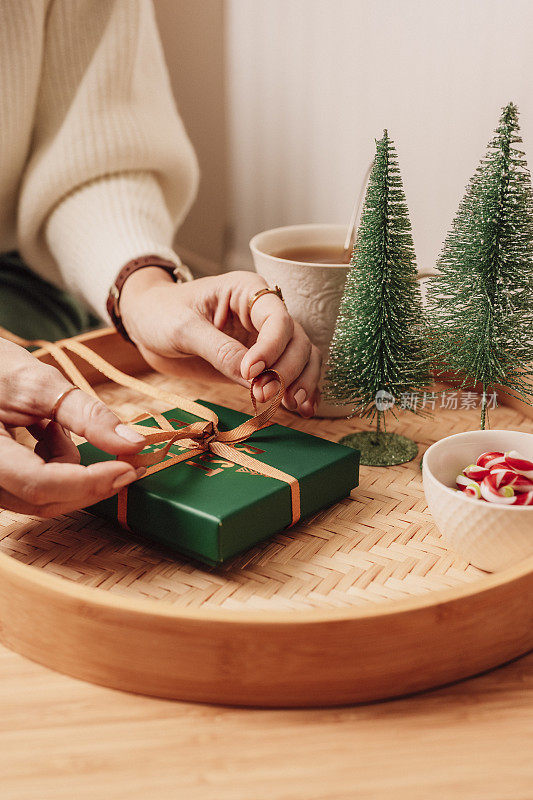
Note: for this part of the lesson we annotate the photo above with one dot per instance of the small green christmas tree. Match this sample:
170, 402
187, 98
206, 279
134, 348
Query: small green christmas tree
481, 303
379, 352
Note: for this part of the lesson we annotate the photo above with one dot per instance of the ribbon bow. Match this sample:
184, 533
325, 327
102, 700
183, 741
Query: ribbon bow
198, 437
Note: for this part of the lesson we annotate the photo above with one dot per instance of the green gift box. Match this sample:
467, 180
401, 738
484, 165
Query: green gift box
211, 509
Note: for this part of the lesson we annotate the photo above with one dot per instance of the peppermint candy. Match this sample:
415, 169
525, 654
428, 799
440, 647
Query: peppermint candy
522, 466
475, 472
468, 486
504, 495
489, 460
506, 477
502, 478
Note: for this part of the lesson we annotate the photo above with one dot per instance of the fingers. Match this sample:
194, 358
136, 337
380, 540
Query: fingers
29, 391
222, 351
283, 345
275, 330
302, 393
292, 362
53, 443
90, 418
30, 486
211, 318
300, 365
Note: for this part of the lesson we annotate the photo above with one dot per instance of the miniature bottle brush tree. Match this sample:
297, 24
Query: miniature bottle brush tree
379, 349
481, 303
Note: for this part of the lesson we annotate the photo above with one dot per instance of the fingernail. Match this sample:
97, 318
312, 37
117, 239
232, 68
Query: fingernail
307, 409
129, 434
124, 479
300, 396
256, 369
270, 390
289, 403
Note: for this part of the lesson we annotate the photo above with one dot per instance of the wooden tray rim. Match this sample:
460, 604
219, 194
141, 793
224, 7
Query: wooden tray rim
37, 578
262, 657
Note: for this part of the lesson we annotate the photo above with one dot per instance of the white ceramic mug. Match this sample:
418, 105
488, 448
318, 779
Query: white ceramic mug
312, 292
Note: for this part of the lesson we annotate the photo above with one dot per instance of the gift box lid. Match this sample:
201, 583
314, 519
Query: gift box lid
211, 508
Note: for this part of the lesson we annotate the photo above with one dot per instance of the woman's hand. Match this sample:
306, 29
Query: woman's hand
50, 480
209, 317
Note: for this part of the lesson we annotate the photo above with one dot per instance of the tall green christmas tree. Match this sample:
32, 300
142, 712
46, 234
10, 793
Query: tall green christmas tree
379, 354
481, 303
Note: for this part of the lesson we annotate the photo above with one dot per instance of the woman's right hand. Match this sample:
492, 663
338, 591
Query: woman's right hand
50, 480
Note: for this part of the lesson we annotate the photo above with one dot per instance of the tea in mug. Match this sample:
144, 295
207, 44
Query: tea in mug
315, 254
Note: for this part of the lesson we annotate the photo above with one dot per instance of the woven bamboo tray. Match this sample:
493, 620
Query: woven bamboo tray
362, 601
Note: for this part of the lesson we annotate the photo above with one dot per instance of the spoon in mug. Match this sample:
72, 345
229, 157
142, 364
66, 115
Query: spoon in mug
355, 218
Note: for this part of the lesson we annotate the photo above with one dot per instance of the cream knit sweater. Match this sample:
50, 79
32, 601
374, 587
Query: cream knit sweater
95, 165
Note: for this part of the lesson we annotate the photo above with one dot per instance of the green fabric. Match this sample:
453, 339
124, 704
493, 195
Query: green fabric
35, 309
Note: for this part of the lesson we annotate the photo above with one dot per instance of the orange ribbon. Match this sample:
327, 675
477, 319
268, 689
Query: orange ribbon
198, 437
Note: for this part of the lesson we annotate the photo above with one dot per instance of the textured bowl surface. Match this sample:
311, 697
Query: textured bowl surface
490, 536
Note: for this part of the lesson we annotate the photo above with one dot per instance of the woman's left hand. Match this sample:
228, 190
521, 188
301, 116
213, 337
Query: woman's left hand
210, 317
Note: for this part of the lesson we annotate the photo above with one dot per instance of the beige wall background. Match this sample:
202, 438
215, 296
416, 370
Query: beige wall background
283, 100
192, 33
312, 83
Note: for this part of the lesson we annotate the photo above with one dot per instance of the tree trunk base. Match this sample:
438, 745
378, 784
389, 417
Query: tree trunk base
383, 449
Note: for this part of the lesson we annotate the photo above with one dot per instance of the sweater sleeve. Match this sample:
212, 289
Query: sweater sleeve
112, 172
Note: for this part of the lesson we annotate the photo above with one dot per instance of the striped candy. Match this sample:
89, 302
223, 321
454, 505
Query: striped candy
476, 472
502, 478
493, 494
519, 465
489, 460
468, 486
506, 477
524, 499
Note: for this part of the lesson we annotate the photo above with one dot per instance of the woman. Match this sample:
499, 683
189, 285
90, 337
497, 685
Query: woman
96, 174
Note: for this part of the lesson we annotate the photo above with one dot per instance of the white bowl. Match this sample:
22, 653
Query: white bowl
488, 535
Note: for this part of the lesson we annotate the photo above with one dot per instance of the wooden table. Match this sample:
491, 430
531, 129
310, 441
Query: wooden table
67, 740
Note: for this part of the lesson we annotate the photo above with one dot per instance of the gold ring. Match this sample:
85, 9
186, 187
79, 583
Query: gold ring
276, 290
59, 400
